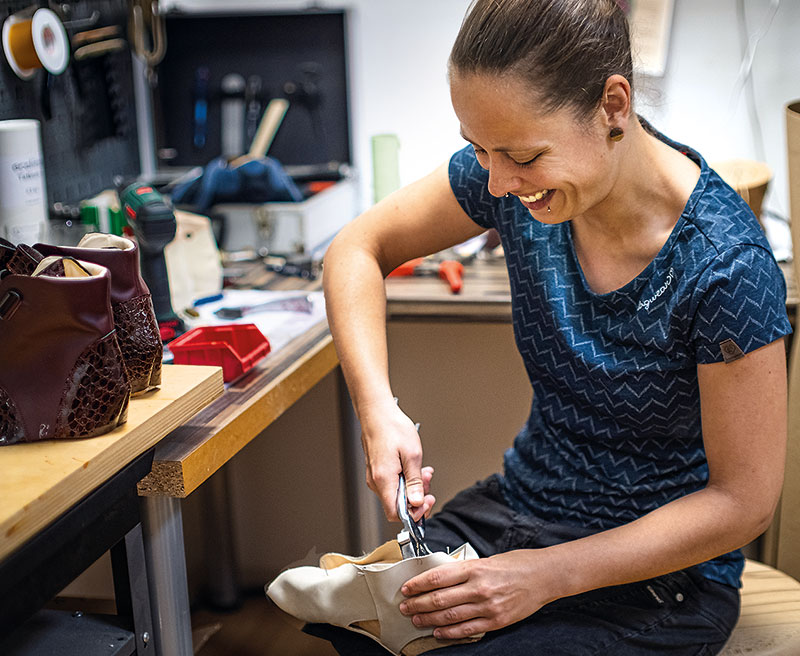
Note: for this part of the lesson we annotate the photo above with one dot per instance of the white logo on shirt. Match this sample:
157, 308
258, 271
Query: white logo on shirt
648, 302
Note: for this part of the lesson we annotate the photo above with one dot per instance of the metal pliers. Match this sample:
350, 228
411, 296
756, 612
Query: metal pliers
412, 538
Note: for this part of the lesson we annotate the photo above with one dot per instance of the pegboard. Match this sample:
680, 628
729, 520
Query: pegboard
301, 56
89, 131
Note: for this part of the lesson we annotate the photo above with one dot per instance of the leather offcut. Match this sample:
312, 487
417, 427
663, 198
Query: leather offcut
363, 595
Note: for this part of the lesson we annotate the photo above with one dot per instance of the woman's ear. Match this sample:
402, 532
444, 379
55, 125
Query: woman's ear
616, 103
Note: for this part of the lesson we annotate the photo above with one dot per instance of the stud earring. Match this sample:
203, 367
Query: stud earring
548, 209
507, 195
616, 134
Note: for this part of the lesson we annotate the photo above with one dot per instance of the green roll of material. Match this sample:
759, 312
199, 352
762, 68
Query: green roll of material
385, 165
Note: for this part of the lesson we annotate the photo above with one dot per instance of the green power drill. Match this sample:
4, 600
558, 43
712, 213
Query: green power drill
152, 221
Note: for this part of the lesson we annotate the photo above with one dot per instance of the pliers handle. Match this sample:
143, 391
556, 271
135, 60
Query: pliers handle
412, 538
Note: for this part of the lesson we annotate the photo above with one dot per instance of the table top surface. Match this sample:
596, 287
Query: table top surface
41, 480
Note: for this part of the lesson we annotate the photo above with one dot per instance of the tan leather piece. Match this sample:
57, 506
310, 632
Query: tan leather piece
363, 595
103, 240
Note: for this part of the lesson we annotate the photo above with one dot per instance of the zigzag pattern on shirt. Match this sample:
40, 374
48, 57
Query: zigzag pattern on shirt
614, 430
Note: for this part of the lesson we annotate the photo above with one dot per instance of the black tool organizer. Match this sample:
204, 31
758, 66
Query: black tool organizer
87, 115
300, 56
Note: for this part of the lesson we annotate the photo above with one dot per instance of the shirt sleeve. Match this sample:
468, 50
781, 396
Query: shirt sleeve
470, 184
741, 305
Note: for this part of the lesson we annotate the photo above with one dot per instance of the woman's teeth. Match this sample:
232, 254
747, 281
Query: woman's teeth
537, 196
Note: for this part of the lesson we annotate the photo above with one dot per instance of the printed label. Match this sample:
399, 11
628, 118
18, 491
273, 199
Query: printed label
649, 301
20, 182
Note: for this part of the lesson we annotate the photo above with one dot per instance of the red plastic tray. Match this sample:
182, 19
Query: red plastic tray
234, 347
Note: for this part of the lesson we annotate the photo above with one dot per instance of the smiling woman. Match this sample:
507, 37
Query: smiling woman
648, 457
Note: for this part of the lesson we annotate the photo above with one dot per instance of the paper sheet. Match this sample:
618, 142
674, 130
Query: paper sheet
278, 326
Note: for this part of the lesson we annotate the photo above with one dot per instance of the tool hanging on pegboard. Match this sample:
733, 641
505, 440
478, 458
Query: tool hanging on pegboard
103, 110
148, 35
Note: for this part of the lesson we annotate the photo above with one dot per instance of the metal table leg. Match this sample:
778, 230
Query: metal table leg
365, 519
166, 575
223, 579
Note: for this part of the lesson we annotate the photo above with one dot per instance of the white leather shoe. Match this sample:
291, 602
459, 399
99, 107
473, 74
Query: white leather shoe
363, 595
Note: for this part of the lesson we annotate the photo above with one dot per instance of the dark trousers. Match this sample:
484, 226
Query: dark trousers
680, 614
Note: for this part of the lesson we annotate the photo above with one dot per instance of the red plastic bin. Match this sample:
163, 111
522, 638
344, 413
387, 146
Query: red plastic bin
234, 347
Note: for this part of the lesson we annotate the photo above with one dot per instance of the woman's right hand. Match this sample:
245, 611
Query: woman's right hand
392, 447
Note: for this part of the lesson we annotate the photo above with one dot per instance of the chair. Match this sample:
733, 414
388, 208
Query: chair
769, 624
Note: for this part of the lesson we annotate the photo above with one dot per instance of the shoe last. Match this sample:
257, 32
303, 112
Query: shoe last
134, 318
363, 595
62, 373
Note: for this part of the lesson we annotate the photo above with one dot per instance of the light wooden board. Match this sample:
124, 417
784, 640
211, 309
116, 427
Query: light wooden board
40, 481
201, 446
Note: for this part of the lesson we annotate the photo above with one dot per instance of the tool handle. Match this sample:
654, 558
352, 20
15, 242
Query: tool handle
407, 268
452, 272
154, 272
268, 127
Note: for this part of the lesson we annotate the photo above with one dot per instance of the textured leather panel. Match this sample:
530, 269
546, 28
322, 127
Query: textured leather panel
96, 392
139, 340
24, 260
11, 429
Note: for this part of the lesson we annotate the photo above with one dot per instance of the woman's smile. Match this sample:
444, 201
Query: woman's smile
537, 201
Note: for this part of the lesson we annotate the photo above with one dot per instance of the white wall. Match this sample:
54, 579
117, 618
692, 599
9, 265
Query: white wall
398, 65
695, 102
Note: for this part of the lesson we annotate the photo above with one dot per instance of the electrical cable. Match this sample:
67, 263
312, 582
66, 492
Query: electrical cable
744, 83
744, 80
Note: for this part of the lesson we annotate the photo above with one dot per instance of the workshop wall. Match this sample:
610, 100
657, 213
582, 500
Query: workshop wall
398, 80
88, 125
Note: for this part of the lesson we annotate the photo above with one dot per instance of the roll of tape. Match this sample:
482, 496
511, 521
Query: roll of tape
34, 43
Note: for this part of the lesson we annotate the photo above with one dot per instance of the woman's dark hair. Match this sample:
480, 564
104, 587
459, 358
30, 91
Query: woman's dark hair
565, 49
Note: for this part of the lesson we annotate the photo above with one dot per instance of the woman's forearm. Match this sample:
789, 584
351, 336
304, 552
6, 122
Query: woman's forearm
682, 533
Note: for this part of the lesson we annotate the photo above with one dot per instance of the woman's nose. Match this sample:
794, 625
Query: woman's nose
502, 178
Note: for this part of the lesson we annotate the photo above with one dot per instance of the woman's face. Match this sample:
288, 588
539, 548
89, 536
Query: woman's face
548, 160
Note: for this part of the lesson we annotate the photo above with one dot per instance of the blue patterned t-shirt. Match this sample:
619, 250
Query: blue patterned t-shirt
614, 430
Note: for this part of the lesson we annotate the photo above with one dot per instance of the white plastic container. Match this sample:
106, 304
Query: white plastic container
23, 209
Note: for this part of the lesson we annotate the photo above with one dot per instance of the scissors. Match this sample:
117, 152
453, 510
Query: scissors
412, 538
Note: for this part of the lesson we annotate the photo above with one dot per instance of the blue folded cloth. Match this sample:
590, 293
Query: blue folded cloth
255, 181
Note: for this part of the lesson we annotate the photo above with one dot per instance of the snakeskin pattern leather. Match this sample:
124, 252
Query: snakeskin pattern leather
11, 430
96, 392
139, 341
24, 261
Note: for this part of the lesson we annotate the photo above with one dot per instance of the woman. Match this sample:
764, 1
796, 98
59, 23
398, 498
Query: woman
650, 315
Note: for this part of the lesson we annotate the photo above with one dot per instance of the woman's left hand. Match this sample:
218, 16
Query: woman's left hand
473, 596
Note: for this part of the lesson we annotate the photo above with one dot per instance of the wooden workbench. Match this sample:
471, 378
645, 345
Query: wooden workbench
203, 445
42, 480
